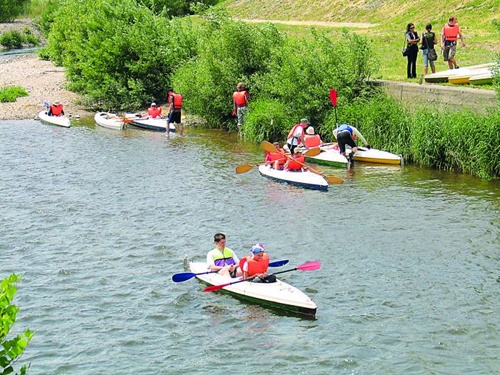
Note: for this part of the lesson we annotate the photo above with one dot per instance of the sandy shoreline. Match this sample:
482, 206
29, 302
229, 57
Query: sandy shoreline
43, 81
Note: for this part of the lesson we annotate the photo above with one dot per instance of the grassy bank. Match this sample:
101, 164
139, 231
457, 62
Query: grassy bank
389, 19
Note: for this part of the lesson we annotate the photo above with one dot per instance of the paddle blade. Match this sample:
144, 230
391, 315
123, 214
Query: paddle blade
268, 146
333, 180
214, 288
313, 152
244, 168
278, 263
309, 266
179, 277
333, 97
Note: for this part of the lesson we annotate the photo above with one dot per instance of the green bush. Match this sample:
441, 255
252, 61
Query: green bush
118, 55
15, 39
10, 9
269, 119
11, 93
10, 349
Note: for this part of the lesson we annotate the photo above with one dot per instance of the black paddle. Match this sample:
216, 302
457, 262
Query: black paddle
184, 276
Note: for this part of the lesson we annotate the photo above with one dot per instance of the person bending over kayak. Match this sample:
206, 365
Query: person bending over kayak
295, 163
346, 135
222, 259
255, 266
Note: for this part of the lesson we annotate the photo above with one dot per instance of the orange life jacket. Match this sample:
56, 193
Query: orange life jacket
240, 98
312, 140
154, 112
280, 156
293, 130
451, 32
177, 100
255, 266
295, 163
56, 110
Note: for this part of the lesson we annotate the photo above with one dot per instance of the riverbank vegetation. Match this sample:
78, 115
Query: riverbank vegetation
11, 93
11, 348
124, 55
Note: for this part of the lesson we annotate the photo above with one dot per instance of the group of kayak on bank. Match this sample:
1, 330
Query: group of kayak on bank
302, 135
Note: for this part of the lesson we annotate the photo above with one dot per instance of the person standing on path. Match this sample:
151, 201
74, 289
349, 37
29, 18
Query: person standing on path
428, 41
412, 40
240, 103
449, 36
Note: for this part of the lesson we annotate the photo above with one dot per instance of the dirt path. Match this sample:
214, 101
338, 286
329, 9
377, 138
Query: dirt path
311, 23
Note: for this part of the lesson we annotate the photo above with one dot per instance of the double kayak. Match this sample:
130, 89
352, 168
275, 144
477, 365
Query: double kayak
155, 124
54, 120
109, 120
277, 295
305, 179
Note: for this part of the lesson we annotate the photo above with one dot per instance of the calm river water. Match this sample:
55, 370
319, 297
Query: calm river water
97, 221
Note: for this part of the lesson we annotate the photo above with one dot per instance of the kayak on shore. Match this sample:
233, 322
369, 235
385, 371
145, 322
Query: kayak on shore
54, 120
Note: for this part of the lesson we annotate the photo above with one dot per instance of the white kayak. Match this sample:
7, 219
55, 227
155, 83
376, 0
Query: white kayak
109, 120
156, 124
444, 75
372, 155
330, 156
306, 179
278, 295
54, 120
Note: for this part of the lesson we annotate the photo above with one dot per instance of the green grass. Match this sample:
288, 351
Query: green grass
11, 93
477, 19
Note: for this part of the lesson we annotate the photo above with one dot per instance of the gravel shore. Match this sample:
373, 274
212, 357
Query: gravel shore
43, 81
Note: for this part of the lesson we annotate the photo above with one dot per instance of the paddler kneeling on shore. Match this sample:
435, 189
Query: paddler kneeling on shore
255, 265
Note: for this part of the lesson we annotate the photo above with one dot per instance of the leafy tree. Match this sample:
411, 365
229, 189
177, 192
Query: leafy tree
11, 349
10, 9
177, 8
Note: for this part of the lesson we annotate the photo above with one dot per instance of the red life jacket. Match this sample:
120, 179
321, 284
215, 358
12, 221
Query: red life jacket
255, 266
177, 100
240, 98
280, 156
56, 110
295, 163
451, 32
312, 140
154, 112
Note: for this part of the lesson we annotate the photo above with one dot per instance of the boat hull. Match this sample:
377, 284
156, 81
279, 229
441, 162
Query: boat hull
54, 120
373, 155
278, 295
306, 179
481, 79
329, 156
154, 124
108, 120
445, 75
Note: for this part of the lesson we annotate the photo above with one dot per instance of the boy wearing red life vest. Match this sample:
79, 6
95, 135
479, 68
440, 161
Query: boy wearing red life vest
56, 109
154, 111
449, 35
240, 103
295, 163
255, 266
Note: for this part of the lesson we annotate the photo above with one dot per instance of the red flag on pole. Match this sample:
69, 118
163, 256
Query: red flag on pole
333, 97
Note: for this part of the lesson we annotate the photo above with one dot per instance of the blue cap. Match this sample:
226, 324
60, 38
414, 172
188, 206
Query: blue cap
257, 248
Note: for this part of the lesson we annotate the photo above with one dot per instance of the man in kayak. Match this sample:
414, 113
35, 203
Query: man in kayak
154, 111
296, 135
56, 109
255, 266
222, 259
346, 135
295, 163
276, 159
